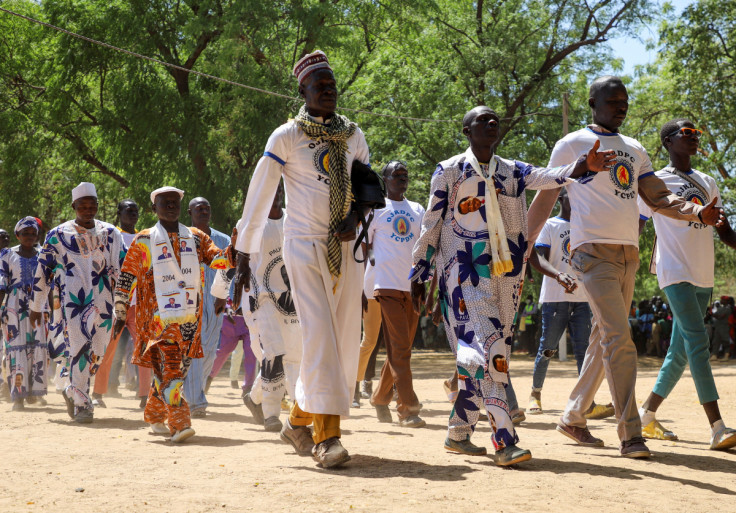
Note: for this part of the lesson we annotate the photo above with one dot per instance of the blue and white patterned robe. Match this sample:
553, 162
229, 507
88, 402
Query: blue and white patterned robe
478, 308
84, 263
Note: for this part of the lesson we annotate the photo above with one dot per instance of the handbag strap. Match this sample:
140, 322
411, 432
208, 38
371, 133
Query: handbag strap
364, 223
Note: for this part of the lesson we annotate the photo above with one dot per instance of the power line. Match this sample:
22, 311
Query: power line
206, 75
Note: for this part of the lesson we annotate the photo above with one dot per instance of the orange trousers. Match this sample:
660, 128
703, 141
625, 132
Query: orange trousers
165, 400
325, 426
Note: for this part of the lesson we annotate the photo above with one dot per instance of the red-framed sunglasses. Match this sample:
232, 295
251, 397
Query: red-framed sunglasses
687, 131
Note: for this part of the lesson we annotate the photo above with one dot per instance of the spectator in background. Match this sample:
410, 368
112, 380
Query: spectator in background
721, 342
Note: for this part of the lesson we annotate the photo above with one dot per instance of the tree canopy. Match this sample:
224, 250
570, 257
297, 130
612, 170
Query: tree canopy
71, 110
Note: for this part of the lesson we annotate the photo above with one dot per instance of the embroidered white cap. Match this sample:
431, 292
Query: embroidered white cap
84, 190
310, 63
162, 190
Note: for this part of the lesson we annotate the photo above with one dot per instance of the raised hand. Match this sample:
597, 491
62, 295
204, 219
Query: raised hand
598, 161
712, 215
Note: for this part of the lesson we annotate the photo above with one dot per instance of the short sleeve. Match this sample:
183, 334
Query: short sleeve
645, 213
562, 154
544, 238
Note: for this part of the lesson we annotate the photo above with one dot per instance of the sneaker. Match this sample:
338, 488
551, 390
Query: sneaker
464, 447
199, 413
300, 438
656, 431
517, 417
97, 401
511, 455
383, 413
366, 389
724, 439
272, 424
581, 435
18, 405
255, 409
84, 416
634, 448
412, 421
69, 404
159, 428
330, 453
182, 435
600, 411
234, 384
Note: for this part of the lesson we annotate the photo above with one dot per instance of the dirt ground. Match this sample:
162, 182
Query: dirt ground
115, 464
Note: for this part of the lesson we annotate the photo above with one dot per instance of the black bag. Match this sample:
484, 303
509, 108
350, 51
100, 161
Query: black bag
369, 193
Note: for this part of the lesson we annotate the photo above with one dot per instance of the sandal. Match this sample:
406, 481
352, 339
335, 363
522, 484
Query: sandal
535, 406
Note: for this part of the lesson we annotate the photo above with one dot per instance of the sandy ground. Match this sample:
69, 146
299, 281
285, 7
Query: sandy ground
115, 464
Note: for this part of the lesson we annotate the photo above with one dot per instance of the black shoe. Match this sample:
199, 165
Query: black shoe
84, 416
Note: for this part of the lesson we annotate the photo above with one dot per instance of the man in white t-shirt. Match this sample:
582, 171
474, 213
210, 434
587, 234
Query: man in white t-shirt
684, 263
393, 232
314, 153
604, 242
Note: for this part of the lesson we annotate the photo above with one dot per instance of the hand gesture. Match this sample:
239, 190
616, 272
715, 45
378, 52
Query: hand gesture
598, 161
712, 215
242, 277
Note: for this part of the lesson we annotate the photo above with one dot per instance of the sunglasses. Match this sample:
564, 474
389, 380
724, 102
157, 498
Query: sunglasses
687, 131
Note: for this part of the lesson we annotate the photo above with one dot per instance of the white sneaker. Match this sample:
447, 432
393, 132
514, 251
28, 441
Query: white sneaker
724, 439
182, 435
159, 428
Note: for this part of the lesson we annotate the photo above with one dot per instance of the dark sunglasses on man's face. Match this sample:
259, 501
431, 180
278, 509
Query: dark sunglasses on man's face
687, 131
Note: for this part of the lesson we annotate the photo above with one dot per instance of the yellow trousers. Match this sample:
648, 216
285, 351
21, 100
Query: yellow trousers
371, 330
325, 426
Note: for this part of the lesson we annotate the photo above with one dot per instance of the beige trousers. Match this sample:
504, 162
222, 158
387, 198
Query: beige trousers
608, 272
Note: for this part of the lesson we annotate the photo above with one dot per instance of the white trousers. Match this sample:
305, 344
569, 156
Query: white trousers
329, 311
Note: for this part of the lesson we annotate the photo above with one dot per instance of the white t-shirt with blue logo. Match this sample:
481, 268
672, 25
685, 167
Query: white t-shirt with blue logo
684, 248
604, 207
555, 235
393, 232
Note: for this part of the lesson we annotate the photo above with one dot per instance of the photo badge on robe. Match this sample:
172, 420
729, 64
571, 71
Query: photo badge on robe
277, 285
469, 215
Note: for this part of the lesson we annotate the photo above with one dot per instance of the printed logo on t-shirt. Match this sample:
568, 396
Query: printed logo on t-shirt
401, 222
566, 247
690, 193
622, 176
321, 160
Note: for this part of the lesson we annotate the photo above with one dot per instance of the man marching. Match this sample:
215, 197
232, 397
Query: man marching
314, 153
168, 326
